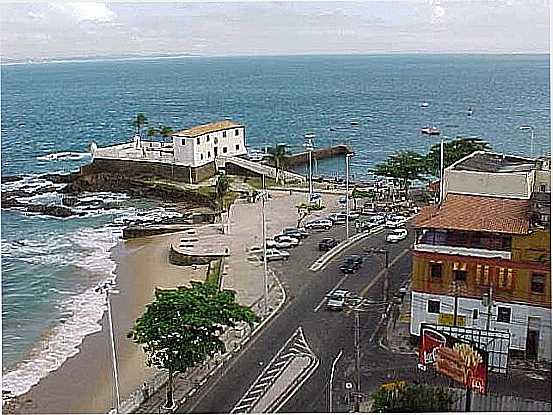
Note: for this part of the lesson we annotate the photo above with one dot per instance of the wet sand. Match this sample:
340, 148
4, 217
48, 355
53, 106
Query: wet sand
84, 383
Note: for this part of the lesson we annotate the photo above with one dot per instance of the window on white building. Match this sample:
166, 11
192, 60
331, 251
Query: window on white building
475, 314
215, 140
543, 188
183, 141
538, 283
207, 139
225, 149
503, 314
198, 140
434, 306
209, 154
237, 146
224, 134
201, 156
236, 132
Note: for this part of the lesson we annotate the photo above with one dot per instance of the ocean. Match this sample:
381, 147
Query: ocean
50, 266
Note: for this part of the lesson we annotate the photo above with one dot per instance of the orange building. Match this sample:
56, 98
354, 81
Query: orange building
476, 245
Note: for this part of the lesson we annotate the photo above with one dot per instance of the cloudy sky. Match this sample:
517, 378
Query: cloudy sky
63, 29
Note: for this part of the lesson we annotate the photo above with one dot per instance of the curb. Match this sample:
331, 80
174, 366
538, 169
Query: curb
323, 260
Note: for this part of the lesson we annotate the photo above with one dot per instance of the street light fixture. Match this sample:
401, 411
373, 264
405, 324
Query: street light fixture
264, 231
108, 289
531, 129
309, 146
348, 155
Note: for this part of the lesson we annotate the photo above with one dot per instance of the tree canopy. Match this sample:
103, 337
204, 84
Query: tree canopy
404, 165
222, 187
399, 396
139, 121
279, 154
181, 327
454, 151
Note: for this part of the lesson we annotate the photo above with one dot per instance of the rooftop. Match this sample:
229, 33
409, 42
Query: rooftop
495, 163
212, 127
477, 213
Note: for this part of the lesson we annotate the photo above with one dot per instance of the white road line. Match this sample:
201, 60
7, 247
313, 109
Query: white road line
335, 287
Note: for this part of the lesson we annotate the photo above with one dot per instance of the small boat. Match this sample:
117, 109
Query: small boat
332, 129
430, 131
469, 112
354, 123
424, 104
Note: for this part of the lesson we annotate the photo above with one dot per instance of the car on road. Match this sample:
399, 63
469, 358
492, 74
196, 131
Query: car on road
298, 233
395, 222
327, 244
286, 238
351, 263
336, 299
319, 224
342, 200
277, 255
352, 215
337, 218
398, 234
271, 243
256, 250
378, 219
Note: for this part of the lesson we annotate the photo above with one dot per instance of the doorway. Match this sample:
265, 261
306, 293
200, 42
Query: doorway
533, 338
215, 151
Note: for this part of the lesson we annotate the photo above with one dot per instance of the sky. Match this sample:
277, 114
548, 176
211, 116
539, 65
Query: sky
35, 30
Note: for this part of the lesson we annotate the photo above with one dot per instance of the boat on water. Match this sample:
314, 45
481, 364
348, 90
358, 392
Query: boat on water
430, 131
354, 123
424, 104
469, 112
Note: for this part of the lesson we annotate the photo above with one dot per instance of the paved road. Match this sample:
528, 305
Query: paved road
326, 332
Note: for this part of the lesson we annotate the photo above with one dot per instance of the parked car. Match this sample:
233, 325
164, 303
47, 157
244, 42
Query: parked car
337, 218
327, 244
271, 243
366, 226
319, 224
315, 197
395, 222
286, 238
342, 200
277, 255
298, 233
256, 250
352, 215
396, 235
351, 263
337, 299
378, 219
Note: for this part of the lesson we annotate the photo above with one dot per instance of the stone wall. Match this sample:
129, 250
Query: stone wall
134, 168
318, 154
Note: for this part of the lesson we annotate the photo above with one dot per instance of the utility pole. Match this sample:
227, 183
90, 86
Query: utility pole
490, 306
348, 155
332, 380
441, 169
309, 147
265, 287
456, 304
357, 359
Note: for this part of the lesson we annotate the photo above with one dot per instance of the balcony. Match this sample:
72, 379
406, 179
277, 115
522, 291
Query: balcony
477, 244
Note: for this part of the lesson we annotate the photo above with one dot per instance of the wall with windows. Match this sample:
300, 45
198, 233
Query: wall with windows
523, 282
472, 312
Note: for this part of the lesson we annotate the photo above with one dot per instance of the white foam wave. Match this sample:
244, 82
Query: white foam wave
85, 309
30, 184
64, 155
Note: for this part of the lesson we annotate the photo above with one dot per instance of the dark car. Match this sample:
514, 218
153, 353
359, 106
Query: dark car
327, 244
295, 233
351, 263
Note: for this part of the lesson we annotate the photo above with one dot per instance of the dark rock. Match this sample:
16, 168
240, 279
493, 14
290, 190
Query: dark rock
10, 202
70, 200
14, 178
50, 210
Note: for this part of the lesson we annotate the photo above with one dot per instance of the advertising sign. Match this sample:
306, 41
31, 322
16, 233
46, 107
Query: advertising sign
454, 358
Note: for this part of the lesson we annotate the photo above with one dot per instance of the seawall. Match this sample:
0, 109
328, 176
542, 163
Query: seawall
318, 154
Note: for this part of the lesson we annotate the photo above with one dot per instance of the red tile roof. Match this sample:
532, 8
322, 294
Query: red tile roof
477, 213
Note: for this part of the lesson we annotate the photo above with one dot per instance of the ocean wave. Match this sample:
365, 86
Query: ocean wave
84, 310
31, 184
64, 155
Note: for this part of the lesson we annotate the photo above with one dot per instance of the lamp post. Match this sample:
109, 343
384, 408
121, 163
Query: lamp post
108, 290
265, 288
308, 144
531, 129
348, 155
338, 356
441, 169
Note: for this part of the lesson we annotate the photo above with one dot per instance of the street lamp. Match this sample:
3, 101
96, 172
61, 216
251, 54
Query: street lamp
348, 155
265, 279
308, 144
332, 379
531, 129
108, 290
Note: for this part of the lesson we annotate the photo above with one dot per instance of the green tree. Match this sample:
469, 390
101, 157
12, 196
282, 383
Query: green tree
454, 151
152, 132
279, 156
404, 165
222, 187
181, 327
165, 131
399, 396
139, 122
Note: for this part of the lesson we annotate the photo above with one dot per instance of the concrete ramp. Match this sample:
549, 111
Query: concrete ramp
262, 169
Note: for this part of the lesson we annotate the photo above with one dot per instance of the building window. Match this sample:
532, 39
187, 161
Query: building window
483, 275
183, 141
459, 271
215, 141
237, 131
505, 278
224, 134
224, 150
209, 154
435, 270
237, 146
434, 306
475, 314
543, 188
201, 156
198, 140
538, 283
207, 139
503, 315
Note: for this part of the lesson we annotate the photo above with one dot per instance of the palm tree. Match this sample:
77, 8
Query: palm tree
221, 189
139, 122
279, 155
152, 132
165, 131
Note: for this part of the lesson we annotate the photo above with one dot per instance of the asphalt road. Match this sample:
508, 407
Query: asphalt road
327, 332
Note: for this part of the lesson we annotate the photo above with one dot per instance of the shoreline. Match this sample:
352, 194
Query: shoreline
83, 383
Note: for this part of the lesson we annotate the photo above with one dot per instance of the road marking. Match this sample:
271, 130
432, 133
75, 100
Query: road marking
335, 288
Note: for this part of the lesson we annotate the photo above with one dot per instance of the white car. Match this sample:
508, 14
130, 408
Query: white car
378, 219
256, 250
319, 224
286, 239
396, 235
280, 244
336, 299
337, 218
277, 255
395, 222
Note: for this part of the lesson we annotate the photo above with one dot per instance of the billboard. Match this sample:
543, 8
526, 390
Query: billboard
457, 359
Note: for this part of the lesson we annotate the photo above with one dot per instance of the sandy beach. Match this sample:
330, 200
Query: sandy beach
83, 384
